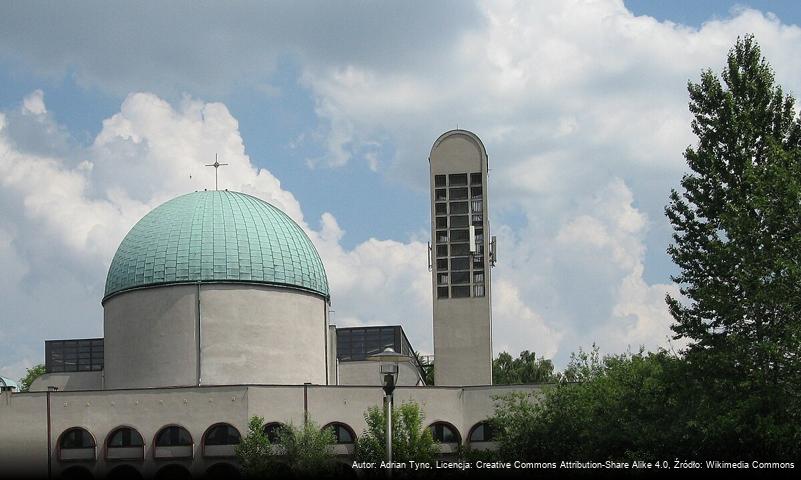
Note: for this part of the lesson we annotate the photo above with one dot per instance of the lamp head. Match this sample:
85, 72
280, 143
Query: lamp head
388, 368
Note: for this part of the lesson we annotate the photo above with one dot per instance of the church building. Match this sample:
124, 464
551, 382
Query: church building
216, 309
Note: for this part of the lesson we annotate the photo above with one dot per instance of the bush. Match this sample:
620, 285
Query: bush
299, 452
410, 440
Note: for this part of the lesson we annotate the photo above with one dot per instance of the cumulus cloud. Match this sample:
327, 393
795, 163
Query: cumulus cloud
582, 107
63, 220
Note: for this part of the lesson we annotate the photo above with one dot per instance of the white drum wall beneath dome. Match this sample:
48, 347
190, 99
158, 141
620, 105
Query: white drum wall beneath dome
249, 334
258, 334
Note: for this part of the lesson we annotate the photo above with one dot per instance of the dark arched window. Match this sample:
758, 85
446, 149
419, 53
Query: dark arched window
444, 432
173, 441
173, 436
222, 434
124, 443
482, 432
271, 431
124, 437
342, 433
76, 444
75, 438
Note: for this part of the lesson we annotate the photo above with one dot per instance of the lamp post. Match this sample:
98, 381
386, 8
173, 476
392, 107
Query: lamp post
388, 371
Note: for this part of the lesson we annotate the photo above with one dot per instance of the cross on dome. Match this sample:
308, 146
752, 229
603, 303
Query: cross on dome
216, 165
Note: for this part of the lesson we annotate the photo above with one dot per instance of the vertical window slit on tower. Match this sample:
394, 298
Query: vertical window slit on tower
460, 291
459, 193
459, 220
457, 179
459, 235
458, 208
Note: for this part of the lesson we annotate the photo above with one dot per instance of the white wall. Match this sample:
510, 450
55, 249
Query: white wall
248, 334
462, 326
23, 436
365, 372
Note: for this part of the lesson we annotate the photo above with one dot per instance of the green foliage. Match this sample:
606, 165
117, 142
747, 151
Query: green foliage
737, 243
738, 222
410, 440
307, 450
255, 454
525, 369
621, 406
583, 366
299, 451
428, 374
31, 374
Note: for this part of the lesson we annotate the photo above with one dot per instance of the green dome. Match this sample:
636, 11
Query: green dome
216, 236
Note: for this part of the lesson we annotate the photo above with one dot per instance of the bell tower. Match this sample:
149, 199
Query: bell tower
461, 255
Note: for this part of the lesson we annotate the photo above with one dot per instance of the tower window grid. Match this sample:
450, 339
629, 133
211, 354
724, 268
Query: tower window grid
459, 204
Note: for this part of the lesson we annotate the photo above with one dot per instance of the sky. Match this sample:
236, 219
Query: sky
328, 110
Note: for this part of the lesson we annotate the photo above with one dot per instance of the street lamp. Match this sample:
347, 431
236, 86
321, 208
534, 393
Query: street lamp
388, 371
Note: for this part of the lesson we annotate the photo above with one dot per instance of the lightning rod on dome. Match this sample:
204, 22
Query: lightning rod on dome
216, 165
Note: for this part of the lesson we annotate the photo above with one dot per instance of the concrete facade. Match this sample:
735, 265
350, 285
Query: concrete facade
365, 372
215, 334
28, 417
462, 325
219, 351
68, 381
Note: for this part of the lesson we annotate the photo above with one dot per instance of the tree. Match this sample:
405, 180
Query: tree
619, 407
308, 450
300, 451
737, 243
525, 369
410, 440
254, 452
31, 374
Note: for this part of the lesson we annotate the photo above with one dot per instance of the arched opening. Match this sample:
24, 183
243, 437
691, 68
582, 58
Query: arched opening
481, 432
76, 473
76, 444
173, 441
344, 437
220, 440
342, 433
223, 471
124, 472
271, 431
173, 472
447, 435
444, 432
125, 443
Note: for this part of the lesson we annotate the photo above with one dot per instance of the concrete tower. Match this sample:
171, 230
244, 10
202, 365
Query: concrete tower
461, 257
